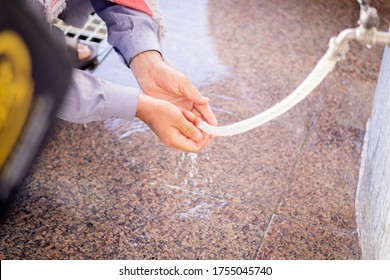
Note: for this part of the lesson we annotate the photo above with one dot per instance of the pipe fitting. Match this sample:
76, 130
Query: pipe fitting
369, 18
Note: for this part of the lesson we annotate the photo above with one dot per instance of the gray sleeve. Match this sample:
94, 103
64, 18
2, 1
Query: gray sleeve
130, 32
92, 99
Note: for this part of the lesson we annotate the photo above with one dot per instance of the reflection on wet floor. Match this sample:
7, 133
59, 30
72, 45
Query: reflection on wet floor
285, 190
187, 46
123, 129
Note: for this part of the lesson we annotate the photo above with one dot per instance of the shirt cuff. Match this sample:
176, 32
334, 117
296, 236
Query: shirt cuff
141, 42
121, 102
130, 32
92, 99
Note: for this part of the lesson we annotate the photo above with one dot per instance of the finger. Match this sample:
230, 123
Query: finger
191, 92
188, 145
191, 116
205, 142
207, 114
188, 129
197, 113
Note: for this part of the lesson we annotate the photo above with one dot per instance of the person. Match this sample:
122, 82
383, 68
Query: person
166, 101
81, 55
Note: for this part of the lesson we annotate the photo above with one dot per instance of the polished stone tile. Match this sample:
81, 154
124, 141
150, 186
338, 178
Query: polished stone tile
300, 239
285, 190
94, 206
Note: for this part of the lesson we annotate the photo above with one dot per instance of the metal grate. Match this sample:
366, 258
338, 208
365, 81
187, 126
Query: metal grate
94, 32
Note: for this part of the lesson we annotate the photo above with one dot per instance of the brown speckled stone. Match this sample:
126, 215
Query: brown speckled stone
296, 238
285, 190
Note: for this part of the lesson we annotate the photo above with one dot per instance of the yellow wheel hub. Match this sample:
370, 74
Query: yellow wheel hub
16, 90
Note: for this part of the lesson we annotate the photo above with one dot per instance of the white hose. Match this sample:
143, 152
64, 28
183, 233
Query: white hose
324, 66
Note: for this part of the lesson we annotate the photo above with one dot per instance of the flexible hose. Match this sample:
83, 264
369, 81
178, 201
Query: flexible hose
324, 66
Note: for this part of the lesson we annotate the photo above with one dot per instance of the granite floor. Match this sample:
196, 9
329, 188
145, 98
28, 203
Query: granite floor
285, 190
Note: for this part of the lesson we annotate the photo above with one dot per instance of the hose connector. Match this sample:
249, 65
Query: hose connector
366, 33
369, 18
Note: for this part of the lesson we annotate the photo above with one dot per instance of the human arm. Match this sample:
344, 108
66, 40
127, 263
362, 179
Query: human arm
134, 35
130, 31
92, 99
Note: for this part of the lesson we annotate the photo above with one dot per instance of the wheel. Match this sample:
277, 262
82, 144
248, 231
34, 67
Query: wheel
34, 75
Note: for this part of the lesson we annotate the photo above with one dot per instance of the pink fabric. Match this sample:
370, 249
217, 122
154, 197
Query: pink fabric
52, 8
139, 5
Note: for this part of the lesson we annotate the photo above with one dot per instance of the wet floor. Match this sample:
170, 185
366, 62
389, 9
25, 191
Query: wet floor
285, 190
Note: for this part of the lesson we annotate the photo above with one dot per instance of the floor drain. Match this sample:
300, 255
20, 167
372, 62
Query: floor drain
94, 32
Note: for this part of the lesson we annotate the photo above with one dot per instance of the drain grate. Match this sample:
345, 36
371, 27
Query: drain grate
94, 32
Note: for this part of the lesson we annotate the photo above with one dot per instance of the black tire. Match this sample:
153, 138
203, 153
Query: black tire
51, 74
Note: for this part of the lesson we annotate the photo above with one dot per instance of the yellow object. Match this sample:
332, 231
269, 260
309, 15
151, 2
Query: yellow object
16, 90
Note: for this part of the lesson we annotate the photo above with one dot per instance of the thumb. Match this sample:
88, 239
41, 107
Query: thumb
191, 92
189, 130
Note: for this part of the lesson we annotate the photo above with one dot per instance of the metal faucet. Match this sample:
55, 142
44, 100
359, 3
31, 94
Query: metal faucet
368, 16
366, 33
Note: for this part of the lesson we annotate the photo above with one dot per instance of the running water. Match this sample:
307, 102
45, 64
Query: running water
195, 177
188, 172
208, 178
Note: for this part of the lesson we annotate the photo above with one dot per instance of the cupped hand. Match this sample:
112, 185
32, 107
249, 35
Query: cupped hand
157, 79
176, 128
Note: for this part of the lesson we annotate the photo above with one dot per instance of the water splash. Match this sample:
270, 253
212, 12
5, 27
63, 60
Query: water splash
209, 178
193, 169
203, 211
191, 174
199, 212
124, 129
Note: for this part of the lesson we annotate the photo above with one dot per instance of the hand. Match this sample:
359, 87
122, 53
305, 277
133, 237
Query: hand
157, 79
175, 128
